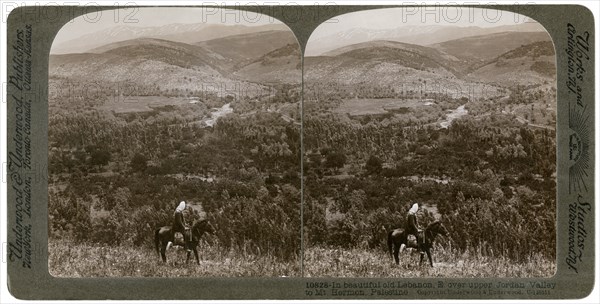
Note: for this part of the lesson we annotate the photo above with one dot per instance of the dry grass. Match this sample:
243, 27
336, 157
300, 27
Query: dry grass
66, 260
361, 263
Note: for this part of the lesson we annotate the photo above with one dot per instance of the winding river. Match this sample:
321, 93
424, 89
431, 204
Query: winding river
219, 112
457, 113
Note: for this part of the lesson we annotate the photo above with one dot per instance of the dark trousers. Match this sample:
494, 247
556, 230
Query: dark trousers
411, 225
178, 222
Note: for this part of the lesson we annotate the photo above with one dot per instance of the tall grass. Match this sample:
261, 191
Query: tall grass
84, 260
363, 263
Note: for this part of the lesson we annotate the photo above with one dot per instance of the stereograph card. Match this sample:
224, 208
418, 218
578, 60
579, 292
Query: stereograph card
300, 152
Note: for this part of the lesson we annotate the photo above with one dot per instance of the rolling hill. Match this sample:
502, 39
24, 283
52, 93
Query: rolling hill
282, 65
480, 49
499, 59
146, 63
186, 33
175, 53
385, 64
135, 71
381, 64
530, 64
247, 61
415, 56
417, 34
239, 50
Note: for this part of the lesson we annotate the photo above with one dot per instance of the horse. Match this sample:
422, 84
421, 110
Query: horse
164, 235
398, 238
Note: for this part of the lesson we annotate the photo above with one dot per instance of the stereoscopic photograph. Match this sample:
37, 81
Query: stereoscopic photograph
174, 145
185, 143
430, 146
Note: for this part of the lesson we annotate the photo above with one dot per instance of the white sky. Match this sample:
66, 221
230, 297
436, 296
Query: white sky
148, 17
389, 18
373, 19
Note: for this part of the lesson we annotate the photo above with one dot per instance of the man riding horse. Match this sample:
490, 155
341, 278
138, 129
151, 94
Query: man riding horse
412, 224
179, 222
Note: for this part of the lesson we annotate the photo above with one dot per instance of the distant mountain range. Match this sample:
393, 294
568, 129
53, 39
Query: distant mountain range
282, 65
417, 34
479, 49
186, 33
240, 50
419, 56
530, 64
273, 57
250, 59
499, 59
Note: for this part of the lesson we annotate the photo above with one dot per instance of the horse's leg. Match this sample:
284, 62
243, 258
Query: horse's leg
390, 243
421, 259
163, 254
196, 254
428, 250
157, 241
396, 252
188, 257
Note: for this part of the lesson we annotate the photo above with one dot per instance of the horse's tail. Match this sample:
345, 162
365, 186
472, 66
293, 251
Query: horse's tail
390, 242
157, 240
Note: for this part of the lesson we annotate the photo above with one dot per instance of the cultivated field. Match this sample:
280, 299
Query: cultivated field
133, 104
373, 106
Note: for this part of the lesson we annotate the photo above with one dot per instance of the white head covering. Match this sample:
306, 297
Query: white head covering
181, 207
414, 209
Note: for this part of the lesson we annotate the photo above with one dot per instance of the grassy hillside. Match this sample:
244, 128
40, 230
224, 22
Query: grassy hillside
278, 66
362, 263
140, 71
73, 261
391, 68
167, 67
389, 50
240, 50
479, 49
421, 34
528, 65
381, 62
177, 32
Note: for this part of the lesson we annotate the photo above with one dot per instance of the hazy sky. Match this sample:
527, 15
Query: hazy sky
390, 18
373, 19
147, 17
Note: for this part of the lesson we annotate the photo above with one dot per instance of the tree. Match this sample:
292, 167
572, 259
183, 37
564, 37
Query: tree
99, 157
81, 222
373, 165
139, 162
335, 160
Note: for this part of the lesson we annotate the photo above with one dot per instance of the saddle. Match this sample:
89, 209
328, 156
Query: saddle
178, 237
412, 239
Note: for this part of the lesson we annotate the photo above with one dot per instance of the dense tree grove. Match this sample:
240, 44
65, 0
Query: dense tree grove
115, 177
489, 178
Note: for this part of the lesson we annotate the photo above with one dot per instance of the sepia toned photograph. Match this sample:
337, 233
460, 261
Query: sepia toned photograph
299, 152
174, 145
430, 146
